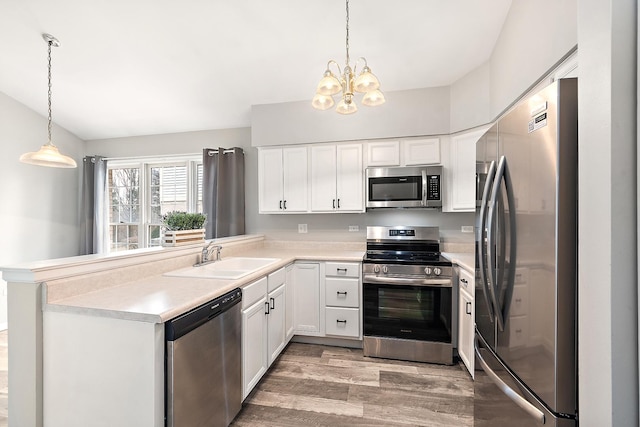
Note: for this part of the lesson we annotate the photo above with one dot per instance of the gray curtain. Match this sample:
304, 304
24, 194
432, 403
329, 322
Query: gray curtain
92, 215
223, 191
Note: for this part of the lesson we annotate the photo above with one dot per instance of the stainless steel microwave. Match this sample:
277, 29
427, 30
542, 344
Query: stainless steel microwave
404, 187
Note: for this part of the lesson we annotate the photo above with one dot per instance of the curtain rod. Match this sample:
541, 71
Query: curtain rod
163, 156
213, 151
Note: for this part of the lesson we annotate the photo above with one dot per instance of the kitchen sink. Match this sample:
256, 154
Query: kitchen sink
228, 268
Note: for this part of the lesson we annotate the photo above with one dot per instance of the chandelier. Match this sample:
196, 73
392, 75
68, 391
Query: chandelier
48, 154
330, 85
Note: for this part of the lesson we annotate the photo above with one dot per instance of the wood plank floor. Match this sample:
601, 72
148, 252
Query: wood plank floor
315, 385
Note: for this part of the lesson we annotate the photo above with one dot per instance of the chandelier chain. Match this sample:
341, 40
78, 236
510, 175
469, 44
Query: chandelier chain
347, 40
49, 91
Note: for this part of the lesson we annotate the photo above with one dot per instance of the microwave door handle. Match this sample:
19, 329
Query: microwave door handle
481, 238
513, 240
523, 403
493, 285
424, 187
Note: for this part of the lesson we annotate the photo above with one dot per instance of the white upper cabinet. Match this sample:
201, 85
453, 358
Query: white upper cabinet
337, 179
462, 171
383, 153
421, 151
282, 180
409, 152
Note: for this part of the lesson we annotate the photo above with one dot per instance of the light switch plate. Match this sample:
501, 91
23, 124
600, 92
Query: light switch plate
302, 228
354, 228
467, 229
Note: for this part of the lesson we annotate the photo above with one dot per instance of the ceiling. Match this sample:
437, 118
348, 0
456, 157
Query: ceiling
141, 67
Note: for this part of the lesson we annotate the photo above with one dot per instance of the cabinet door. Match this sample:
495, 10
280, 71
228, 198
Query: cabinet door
306, 311
289, 301
276, 322
295, 172
323, 178
383, 153
254, 345
421, 151
349, 178
466, 330
463, 171
270, 183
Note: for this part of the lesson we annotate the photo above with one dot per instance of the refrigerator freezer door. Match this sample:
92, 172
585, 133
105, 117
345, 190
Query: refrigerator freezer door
504, 401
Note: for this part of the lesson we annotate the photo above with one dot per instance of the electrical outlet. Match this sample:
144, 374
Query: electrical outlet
467, 229
354, 228
302, 228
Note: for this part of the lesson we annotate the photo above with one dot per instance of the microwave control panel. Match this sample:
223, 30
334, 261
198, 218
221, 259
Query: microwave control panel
433, 187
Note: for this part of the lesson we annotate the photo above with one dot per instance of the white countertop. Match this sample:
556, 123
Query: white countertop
159, 298
466, 260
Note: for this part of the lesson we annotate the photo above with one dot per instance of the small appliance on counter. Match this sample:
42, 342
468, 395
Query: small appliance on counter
410, 307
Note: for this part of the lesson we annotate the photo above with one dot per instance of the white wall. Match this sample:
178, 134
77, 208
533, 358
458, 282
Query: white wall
406, 113
39, 208
534, 37
470, 99
607, 264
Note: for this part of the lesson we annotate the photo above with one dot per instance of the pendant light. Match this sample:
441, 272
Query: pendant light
49, 155
330, 85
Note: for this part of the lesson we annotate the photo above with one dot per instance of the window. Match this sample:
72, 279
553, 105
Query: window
141, 192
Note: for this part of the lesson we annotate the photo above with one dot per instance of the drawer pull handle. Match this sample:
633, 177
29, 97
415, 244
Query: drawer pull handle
341, 269
341, 321
468, 308
342, 293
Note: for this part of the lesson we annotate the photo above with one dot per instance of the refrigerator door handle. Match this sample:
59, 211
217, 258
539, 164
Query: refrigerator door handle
513, 240
523, 403
493, 274
481, 239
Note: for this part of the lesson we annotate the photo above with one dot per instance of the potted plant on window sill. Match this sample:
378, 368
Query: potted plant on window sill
183, 228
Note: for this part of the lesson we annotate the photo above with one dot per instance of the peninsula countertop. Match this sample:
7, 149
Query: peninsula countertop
159, 298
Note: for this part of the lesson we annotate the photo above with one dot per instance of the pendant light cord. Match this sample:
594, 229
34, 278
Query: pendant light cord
347, 40
49, 43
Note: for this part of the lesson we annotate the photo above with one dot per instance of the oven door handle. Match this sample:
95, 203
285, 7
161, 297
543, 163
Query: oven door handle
445, 283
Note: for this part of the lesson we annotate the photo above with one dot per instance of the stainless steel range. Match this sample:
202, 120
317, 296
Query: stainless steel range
409, 302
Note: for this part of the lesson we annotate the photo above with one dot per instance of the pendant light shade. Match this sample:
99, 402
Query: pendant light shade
49, 155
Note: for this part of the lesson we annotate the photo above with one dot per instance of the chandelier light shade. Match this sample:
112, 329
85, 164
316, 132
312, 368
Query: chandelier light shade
48, 154
344, 83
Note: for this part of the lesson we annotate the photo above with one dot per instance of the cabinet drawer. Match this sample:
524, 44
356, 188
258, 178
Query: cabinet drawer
276, 279
466, 281
344, 322
342, 269
341, 292
254, 292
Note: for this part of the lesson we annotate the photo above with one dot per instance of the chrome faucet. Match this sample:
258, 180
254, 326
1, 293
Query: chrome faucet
207, 251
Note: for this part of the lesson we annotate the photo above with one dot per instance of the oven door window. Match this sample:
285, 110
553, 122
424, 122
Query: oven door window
410, 312
398, 188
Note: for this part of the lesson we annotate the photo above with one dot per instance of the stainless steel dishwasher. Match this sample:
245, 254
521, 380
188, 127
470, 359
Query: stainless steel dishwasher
203, 364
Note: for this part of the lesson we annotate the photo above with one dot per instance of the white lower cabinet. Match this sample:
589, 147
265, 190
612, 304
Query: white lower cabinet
466, 319
263, 327
342, 290
306, 295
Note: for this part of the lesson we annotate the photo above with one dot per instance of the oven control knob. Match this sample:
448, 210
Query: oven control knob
427, 271
437, 271
376, 269
385, 269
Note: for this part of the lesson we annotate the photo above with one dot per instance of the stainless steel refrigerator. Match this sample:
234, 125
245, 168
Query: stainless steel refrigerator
526, 264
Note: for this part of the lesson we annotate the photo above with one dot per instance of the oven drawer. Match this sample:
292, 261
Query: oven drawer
344, 322
342, 292
342, 269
